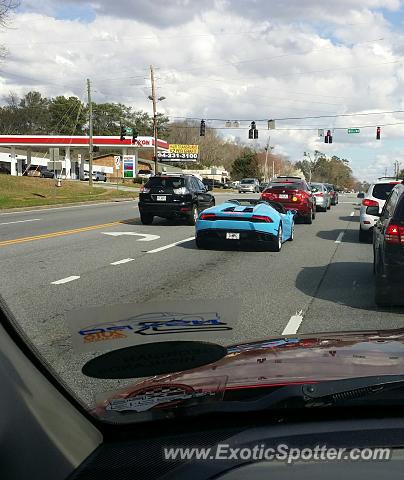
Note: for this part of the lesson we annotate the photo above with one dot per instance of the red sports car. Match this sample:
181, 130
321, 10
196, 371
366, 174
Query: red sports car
294, 195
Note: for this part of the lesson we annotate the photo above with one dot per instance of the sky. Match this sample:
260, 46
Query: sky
228, 60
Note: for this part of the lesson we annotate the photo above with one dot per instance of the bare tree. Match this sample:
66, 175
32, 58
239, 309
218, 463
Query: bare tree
7, 7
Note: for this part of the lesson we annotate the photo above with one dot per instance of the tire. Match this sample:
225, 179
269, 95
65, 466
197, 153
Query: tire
278, 246
146, 218
382, 298
292, 235
329, 206
105, 179
193, 217
363, 236
201, 244
313, 214
308, 219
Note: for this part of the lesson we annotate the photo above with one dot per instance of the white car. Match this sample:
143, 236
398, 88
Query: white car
145, 173
97, 176
249, 185
372, 205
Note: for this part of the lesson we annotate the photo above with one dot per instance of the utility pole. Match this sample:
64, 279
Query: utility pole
90, 137
153, 86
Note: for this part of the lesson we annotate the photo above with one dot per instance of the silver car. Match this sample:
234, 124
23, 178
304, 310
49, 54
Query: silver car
249, 185
323, 199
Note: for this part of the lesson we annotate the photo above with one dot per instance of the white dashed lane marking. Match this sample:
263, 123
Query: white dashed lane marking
339, 238
120, 262
293, 325
65, 280
160, 249
21, 221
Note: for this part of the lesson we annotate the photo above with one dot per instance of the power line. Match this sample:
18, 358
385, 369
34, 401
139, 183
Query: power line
289, 118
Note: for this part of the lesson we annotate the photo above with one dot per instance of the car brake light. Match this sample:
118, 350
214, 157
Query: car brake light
261, 218
369, 203
208, 216
394, 234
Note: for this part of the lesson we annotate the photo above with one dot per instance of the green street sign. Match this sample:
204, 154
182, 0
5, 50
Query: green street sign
354, 130
129, 130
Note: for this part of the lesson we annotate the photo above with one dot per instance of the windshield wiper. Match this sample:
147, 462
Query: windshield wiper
310, 395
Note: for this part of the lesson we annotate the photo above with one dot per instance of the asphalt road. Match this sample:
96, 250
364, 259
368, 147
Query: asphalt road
59, 259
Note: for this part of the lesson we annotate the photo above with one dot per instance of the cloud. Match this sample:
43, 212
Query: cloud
221, 60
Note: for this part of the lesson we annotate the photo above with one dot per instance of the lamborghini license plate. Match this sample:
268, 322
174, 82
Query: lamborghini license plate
232, 236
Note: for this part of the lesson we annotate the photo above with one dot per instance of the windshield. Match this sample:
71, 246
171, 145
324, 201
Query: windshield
157, 220
288, 186
165, 182
382, 190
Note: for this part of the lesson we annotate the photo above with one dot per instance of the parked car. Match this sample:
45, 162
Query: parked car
97, 176
239, 222
179, 196
263, 186
372, 204
388, 250
333, 192
249, 185
323, 199
47, 174
293, 196
211, 183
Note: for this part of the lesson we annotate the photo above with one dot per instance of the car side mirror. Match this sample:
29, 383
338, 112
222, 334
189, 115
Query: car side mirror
293, 212
360, 195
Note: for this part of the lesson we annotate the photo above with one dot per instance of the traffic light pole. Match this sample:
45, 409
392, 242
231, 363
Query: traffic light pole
153, 86
90, 137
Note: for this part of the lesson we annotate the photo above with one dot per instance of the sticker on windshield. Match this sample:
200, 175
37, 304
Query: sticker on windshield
117, 326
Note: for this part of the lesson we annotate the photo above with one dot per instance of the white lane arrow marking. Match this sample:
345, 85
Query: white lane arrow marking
146, 237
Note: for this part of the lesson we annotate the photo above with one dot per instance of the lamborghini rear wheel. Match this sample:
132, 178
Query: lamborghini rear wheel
277, 245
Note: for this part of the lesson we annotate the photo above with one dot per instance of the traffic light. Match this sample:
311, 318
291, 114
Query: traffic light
123, 132
378, 133
202, 129
134, 136
328, 137
253, 132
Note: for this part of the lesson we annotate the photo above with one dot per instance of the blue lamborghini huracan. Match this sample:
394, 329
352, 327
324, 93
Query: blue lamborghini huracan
243, 221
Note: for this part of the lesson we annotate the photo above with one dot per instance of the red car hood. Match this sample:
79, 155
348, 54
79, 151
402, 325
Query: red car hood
276, 361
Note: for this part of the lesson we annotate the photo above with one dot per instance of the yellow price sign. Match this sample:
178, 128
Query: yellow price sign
180, 148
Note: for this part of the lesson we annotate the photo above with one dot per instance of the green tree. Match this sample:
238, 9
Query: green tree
246, 165
66, 116
35, 114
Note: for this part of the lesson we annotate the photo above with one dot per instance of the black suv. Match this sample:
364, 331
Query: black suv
388, 249
169, 196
